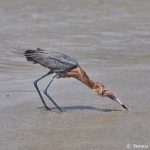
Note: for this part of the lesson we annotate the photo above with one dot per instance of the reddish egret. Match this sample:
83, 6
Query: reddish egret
63, 66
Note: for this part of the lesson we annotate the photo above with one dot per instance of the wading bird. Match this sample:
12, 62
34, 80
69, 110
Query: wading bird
63, 66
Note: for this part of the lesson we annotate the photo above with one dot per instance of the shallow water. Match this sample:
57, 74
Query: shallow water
111, 41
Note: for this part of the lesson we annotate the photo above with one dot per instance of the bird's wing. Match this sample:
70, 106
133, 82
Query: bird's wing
60, 62
56, 62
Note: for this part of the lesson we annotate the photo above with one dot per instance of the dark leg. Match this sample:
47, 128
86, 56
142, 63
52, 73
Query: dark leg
35, 84
45, 92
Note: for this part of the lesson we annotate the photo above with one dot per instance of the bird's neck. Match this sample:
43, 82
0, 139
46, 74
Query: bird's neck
96, 86
81, 75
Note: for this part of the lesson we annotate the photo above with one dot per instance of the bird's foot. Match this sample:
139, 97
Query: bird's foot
43, 108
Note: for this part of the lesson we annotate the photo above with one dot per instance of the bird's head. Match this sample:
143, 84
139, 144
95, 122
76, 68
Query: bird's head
102, 91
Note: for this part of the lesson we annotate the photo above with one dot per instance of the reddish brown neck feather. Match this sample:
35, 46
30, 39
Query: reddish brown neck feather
81, 75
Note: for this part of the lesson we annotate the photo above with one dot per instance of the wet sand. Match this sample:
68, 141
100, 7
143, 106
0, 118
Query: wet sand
88, 122
113, 49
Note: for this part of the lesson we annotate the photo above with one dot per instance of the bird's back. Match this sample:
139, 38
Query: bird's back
56, 62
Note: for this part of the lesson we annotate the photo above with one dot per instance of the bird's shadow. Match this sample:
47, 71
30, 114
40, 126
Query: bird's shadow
74, 108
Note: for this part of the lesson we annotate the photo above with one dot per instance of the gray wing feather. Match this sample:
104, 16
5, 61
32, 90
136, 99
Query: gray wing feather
56, 62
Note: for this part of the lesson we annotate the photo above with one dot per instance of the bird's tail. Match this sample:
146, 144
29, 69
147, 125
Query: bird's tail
30, 54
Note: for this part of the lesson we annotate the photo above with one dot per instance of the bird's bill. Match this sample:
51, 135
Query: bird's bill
117, 100
108, 93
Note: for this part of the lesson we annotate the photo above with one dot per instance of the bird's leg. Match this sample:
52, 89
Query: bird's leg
45, 92
35, 84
